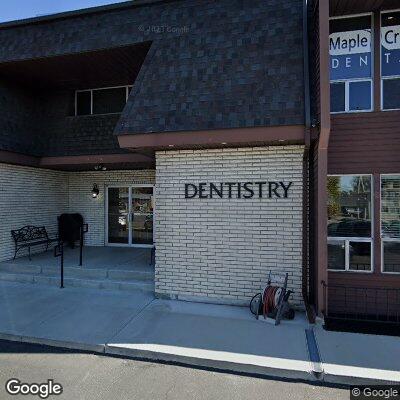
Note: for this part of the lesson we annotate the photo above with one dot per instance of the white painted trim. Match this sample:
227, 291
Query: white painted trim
348, 239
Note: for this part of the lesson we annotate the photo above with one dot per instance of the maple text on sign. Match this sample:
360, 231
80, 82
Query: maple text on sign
238, 190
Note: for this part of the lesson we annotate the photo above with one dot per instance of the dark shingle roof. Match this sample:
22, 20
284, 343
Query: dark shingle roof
212, 64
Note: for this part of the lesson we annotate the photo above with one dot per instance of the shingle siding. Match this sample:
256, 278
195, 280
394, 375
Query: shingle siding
212, 64
222, 249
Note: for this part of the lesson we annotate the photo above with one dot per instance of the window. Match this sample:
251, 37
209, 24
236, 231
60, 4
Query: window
101, 101
390, 222
350, 64
390, 60
349, 223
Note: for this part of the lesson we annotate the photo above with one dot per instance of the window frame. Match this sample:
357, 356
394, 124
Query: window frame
348, 239
348, 81
127, 90
383, 240
347, 95
382, 78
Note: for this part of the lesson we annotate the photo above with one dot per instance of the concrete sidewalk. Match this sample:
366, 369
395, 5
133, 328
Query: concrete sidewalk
137, 325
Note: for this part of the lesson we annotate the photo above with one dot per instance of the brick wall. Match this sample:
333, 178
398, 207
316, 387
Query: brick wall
222, 249
32, 196
93, 210
29, 196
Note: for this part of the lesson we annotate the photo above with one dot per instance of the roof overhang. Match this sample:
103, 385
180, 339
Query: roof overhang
347, 7
240, 137
81, 163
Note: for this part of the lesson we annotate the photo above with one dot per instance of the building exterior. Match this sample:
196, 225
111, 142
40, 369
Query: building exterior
194, 133
356, 166
236, 137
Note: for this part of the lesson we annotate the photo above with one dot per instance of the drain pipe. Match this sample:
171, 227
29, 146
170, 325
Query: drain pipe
306, 166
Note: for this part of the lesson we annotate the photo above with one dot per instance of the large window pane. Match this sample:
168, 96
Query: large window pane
338, 97
391, 256
336, 255
360, 96
390, 206
83, 103
359, 256
349, 206
390, 222
391, 94
107, 101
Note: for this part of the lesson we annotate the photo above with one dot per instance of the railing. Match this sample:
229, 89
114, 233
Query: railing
369, 304
59, 252
84, 229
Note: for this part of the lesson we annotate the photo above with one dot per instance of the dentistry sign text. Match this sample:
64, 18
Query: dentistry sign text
350, 54
238, 190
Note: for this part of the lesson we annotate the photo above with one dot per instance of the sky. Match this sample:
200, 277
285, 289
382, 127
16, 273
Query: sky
20, 9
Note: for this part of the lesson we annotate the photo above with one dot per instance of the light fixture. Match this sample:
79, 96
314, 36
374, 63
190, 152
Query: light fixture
100, 167
223, 143
95, 191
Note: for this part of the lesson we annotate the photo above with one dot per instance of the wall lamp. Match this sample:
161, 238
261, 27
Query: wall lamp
95, 191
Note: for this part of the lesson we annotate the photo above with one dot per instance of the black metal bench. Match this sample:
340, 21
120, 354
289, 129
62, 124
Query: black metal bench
29, 236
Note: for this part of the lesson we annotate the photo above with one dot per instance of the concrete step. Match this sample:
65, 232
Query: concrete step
76, 272
86, 282
121, 275
12, 277
20, 269
95, 283
79, 272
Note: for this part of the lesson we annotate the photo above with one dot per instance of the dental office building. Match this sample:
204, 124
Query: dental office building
233, 137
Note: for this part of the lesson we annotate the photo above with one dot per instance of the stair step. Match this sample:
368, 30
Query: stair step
76, 272
85, 282
95, 283
79, 272
23, 269
134, 275
21, 278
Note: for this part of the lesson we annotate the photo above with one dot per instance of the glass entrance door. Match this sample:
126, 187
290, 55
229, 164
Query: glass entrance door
130, 212
142, 215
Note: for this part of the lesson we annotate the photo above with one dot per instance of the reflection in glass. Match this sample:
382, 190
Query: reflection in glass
336, 255
142, 207
360, 95
390, 222
349, 206
360, 256
338, 102
391, 256
118, 211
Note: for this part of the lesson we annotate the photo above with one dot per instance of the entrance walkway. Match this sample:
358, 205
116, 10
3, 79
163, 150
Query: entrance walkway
137, 325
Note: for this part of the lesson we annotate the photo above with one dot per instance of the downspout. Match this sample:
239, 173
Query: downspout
306, 69
323, 143
306, 169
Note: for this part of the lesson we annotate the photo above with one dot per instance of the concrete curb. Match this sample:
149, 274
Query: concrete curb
211, 364
268, 372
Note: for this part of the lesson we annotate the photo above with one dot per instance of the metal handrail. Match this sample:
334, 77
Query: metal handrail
83, 229
59, 252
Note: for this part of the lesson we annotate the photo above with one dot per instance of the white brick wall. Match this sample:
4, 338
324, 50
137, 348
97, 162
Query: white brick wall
93, 210
222, 249
29, 196
32, 196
